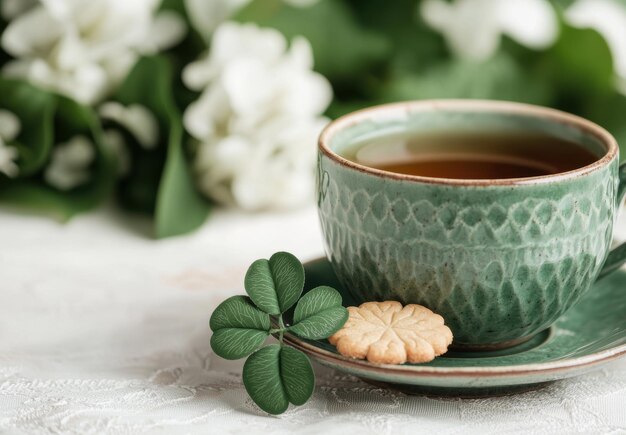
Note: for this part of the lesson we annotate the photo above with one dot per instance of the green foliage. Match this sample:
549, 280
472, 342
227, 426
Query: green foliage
608, 111
275, 284
35, 109
43, 117
275, 375
296, 375
160, 181
235, 343
579, 64
239, 328
183, 53
319, 314
579, 71
413, 46
261, 377
343, 50
239, 312
498, 78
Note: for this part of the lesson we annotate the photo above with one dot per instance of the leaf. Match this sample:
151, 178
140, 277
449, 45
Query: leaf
235, 343
319, 314
315, 301
35, 109
608, 111
70, 119
342, 48
275, 285
276, 375
261, 377
239, 328
174, 5
414, 46
580, 62
563, 3
178, 206
497, 78
239, 312
260, 286
297, 375
183, 53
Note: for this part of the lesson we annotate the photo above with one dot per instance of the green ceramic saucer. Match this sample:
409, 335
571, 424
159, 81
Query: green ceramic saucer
590, 334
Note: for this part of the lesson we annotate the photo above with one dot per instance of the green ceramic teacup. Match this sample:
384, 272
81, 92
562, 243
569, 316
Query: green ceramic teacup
499, 259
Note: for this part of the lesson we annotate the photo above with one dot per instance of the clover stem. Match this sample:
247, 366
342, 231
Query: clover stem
282, 329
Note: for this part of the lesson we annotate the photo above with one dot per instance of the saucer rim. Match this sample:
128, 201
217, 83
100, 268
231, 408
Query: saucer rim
508, 370
564, 365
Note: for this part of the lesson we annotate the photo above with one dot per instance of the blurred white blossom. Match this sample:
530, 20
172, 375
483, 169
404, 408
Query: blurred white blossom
85, 48
607, 17
206, 15
257, 118
9, 129
10, 125
68, 167
136, 119
473, 28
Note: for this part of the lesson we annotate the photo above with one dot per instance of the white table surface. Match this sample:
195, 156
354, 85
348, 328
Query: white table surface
103, 330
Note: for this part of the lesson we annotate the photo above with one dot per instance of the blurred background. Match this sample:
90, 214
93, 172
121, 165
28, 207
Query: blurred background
171, 108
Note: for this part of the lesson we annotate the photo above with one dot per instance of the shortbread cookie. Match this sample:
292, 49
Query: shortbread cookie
388, 333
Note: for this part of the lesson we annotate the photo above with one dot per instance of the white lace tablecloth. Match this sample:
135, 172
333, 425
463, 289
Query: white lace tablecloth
103, 330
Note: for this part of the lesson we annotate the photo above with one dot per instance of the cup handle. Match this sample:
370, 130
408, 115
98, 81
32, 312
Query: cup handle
617, 257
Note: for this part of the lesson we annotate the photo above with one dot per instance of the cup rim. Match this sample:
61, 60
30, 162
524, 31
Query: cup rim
558, 116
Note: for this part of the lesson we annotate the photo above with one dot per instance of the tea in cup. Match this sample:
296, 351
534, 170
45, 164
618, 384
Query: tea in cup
496, 215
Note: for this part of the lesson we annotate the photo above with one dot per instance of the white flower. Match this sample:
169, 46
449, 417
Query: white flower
69, 163
9, 129
257, 118
10, 125
137, 119
607, 17
472, 28
206, 15
85, 48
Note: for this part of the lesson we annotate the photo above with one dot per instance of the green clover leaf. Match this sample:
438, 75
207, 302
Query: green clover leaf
297, 375
239, 328
319, 314
275, 284
276, 376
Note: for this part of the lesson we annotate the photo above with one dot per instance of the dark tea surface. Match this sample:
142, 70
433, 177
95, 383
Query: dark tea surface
468, 169
473, 155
